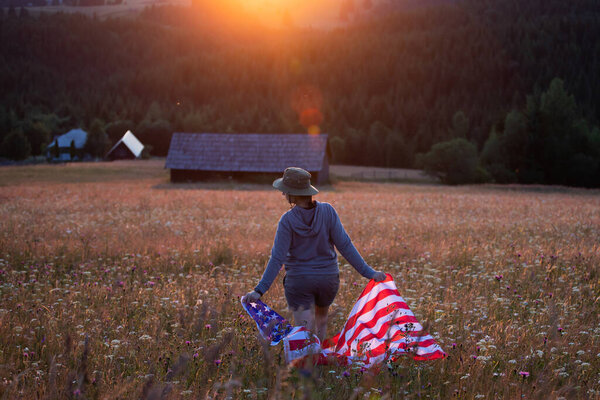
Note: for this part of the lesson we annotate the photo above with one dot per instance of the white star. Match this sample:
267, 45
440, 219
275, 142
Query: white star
253, 305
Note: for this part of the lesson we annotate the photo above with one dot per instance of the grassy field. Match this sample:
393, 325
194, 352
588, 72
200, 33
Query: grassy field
129, 8
116, 284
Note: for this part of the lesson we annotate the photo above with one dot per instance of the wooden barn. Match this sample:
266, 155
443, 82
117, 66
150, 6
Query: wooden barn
248, 156
127, 148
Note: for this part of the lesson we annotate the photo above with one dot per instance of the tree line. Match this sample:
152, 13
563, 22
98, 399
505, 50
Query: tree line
385, 88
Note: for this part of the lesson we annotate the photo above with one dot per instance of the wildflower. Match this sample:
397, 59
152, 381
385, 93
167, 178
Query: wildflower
218, 362
195, 355
524, 374
207, 326
346, 374
188, 342
498, 277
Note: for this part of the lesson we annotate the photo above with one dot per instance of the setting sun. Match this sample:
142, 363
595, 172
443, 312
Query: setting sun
284, 13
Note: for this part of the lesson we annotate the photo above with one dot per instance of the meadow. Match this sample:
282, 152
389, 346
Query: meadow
116, 284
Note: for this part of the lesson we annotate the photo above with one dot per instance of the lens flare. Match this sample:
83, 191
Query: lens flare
307, 102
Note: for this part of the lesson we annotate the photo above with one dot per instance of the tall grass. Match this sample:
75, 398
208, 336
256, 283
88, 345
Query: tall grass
129, 288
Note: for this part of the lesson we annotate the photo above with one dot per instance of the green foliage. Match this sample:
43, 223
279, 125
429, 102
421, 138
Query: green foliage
460, 125
195, 122
97, 143
548, 144
146, 152
158, 133
375, 150
116, 129
38, 135
338, 149
15, 146
454, 162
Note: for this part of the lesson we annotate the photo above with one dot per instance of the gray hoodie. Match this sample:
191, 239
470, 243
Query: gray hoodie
304, 243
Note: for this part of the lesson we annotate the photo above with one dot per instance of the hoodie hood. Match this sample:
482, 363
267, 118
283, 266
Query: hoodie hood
305, 222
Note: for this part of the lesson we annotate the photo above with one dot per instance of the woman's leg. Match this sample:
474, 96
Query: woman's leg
304, 318
321, 322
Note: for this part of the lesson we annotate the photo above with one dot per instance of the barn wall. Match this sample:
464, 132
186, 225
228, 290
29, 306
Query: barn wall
182, 175
324, 173
121, 152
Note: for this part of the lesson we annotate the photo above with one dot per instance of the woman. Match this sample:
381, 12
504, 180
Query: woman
304, 242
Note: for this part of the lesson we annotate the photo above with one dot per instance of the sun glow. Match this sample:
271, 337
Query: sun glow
286, 13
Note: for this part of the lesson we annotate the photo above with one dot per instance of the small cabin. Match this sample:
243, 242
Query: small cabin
127, 148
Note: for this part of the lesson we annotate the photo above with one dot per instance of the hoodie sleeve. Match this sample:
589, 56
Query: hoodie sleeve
281, 246
344, 245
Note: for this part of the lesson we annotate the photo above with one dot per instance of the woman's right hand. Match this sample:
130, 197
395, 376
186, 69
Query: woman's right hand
251, 297
379, 276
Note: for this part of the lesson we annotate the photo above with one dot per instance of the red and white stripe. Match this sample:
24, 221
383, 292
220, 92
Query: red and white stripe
377, 329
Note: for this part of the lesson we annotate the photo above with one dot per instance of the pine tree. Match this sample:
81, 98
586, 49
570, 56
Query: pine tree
97, 141
16, 146
56, 149
72, 150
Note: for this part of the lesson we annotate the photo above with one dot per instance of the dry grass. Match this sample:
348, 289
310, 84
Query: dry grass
127, 287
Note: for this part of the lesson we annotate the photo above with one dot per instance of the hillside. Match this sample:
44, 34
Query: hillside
388, 86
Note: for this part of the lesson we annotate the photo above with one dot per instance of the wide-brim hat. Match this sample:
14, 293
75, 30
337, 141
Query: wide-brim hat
295, 181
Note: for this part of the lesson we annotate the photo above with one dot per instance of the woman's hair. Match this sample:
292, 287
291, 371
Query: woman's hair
296, 199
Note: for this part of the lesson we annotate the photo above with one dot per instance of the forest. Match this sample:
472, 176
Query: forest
509, 88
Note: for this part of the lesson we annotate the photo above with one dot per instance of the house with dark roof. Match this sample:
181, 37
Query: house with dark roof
201, 156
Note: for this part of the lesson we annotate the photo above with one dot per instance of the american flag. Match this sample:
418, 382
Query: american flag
380, 328
271, 326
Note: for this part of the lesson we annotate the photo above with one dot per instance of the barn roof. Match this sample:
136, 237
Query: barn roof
79, 136
248, 152
132, 143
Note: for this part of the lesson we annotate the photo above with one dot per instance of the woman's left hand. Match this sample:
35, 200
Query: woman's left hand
379, 276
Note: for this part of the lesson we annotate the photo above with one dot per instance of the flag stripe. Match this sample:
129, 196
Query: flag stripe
371, 318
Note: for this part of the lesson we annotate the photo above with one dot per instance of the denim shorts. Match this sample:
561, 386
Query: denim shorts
304, 291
